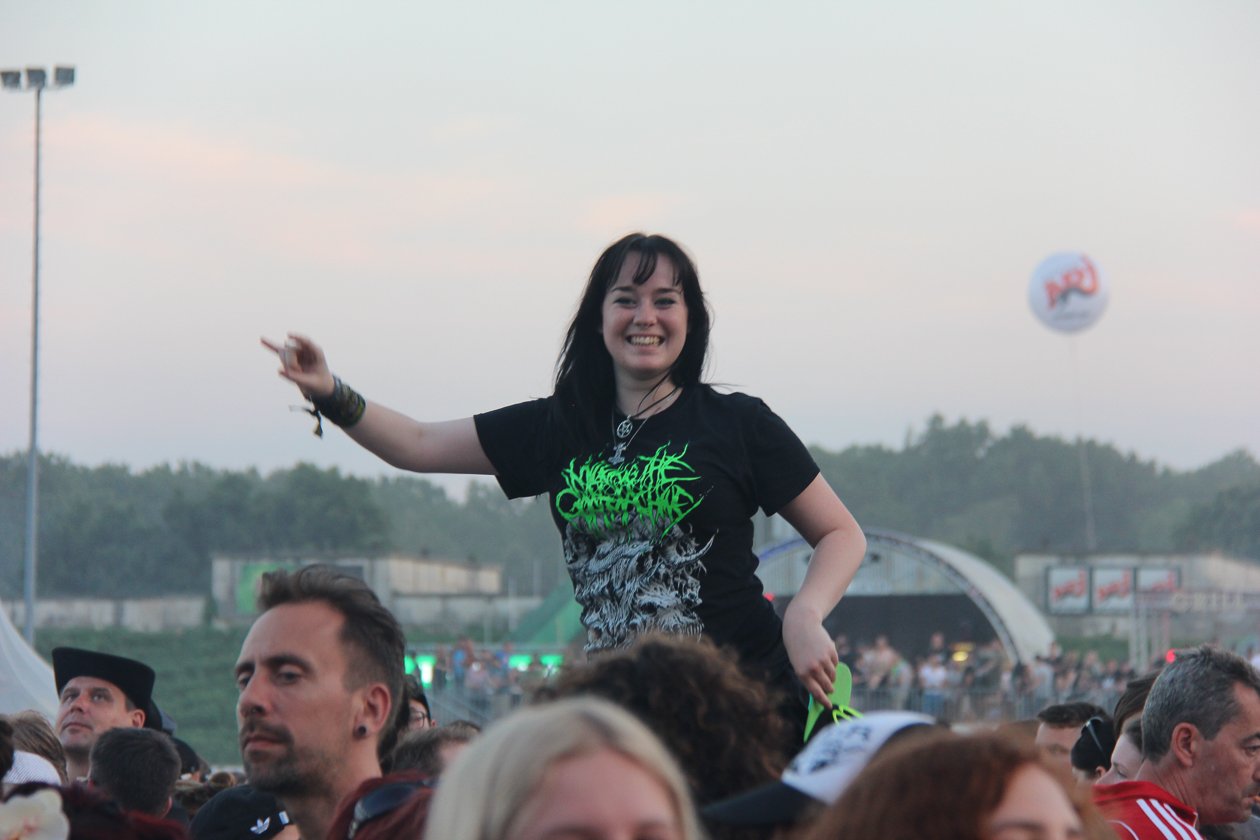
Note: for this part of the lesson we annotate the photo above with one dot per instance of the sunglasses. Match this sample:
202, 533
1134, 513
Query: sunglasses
1090, 728
382, 801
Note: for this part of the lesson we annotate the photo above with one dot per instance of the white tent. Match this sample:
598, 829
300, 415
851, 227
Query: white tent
26, 681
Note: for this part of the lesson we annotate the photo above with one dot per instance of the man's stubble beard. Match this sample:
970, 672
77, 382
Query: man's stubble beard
77, 753
287, 774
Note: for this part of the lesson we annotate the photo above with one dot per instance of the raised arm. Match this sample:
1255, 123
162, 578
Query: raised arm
451, 446
821, 518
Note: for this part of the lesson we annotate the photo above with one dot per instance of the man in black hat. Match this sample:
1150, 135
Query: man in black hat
98, 692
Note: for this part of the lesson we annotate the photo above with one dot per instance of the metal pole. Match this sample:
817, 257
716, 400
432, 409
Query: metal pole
32, 465
1087, 498
1087, 494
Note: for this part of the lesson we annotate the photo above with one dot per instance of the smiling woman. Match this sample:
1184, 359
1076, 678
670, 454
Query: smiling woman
654, 475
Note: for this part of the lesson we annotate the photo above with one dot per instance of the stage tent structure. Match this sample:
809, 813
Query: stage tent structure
908, 588
26, 681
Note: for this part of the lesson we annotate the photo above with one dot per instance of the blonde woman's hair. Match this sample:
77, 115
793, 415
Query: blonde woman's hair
489, 786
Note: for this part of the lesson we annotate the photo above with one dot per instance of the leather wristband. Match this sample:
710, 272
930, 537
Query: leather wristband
343, 407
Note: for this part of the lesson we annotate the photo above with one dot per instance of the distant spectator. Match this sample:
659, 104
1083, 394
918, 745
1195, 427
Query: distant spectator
441, 668
1132, 700
945, 786
138, 768
430, 751
191, 766
98, 692
1200, 749
190, 796
420, 714
34, 734
242, 813
464, 728
933, 680
582, 764
533, 677
225, 778
1126, 756
1091, 754
819, 774
848, 656
1059, 730
721, 726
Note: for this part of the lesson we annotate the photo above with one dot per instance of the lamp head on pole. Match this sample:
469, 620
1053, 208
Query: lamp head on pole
37, 78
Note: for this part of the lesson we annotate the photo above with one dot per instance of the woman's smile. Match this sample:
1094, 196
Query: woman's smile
644, 324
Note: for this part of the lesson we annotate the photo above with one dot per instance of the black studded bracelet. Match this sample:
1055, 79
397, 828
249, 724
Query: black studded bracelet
343, 407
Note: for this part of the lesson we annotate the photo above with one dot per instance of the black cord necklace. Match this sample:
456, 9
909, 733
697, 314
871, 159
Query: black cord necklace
625, 432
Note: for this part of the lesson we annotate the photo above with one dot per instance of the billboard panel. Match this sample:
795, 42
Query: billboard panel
1113, 590
1067, 590
1158, 580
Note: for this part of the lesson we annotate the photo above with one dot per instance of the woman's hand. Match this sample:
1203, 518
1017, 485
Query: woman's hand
302, 363
821, 518
811, 651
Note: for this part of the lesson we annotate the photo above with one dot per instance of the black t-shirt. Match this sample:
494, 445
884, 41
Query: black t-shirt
658, 535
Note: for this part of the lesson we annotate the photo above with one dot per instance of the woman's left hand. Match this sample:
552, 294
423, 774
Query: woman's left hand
811, 651
821, 518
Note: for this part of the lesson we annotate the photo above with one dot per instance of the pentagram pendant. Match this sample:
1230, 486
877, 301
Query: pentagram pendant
624, 428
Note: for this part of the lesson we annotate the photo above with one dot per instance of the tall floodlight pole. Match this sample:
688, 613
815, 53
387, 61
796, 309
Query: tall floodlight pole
36, 80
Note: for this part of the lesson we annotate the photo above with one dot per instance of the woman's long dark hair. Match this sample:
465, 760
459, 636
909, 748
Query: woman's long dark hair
585, 389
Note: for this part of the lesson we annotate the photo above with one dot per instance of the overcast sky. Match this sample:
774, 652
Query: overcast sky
423, 188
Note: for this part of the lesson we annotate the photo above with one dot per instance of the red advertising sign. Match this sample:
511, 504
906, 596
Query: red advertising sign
1158, 580
1067, 590
1113, 590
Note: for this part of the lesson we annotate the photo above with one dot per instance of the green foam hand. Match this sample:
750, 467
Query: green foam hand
841, 693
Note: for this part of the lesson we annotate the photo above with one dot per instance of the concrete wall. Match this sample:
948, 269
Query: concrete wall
233, 579
142, 614
450, 611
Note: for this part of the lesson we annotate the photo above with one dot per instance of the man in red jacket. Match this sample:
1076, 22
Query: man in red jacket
1200, 751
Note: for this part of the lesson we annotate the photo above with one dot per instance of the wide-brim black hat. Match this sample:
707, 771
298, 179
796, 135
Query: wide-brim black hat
133, 678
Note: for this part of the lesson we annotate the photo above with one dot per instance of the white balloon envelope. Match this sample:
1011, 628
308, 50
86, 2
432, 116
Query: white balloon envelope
1067, 292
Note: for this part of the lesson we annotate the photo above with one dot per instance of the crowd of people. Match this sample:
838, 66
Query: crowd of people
665, 739
960, 681
976, 682
691, 716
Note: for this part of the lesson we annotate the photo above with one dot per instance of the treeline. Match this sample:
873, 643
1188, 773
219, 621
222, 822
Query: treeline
998, 495
106, 531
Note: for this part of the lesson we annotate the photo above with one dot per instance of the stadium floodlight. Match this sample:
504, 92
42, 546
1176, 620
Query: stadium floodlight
36, 80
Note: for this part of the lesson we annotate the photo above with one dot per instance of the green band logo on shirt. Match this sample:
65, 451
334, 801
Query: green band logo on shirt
600, 495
